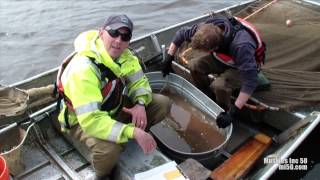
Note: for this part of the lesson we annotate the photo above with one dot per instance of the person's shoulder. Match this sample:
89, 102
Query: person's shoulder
82, 64
217, 19
128, 54
243, 37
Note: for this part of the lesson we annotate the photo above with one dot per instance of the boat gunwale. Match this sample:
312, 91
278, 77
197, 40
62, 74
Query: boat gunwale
263, 172
296, 141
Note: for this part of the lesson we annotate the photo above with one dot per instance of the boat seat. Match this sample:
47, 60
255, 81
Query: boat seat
239, 164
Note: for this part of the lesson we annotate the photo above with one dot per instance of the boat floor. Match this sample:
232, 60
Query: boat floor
56, 158
48, 155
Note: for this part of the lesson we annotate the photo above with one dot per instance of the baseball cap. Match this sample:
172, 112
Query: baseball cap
116, 22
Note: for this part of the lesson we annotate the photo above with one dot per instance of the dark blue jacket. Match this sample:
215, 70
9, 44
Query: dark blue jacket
240, 46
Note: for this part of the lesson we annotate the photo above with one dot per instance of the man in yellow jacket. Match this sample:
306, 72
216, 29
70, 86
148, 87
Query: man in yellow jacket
107, 98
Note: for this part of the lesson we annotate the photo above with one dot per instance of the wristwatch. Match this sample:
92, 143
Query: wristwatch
141, 103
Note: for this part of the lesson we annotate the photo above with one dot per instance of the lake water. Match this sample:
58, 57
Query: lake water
36, 35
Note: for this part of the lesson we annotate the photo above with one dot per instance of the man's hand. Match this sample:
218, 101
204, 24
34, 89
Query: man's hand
138, 115
224, 119
166, 66
145, 140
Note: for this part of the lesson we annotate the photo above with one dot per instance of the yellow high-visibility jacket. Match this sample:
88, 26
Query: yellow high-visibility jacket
82, 85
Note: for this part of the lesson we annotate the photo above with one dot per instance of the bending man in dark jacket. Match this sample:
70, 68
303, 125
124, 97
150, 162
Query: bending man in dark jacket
233, 57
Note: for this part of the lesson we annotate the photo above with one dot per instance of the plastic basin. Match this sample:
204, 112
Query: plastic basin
4, 171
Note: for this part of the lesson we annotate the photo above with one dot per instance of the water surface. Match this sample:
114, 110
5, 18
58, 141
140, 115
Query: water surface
35, 35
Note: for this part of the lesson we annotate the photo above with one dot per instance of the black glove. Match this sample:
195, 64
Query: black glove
166, 66
224, 119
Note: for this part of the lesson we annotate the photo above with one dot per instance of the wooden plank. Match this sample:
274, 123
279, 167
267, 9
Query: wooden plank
239, 164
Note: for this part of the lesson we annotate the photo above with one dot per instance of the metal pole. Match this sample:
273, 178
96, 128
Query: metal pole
44, 112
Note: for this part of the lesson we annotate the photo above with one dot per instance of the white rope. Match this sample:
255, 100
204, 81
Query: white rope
20, 144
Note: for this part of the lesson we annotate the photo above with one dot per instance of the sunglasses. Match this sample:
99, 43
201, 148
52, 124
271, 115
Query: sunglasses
116, 33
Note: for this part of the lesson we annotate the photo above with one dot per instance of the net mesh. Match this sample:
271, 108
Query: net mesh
12, 101
293, 51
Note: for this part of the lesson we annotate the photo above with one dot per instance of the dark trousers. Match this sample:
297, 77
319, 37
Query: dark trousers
228, 78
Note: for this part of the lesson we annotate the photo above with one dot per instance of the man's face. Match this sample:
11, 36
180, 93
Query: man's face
115, 41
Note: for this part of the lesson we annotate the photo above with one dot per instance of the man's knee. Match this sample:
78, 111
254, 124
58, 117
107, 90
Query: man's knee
218, 84
105, 156
195, 65
158, 108
162, 104
222, 92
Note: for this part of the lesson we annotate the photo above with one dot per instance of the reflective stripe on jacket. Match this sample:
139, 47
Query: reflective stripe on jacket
89, 90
